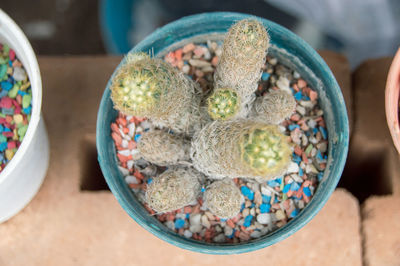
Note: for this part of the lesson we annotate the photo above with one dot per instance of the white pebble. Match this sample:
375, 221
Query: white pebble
19, 74
218, 51
245, 212
131, 131
307, 104
273, 61
301, 109
296, 74
311, 123
123, 171
199, 63
205, 222
322, 146
195, 228
219, 238
207, 54
264, 218
255, 234
124, 143
186, 69
170, 225
228, 231
130, 179
181, 216
187, 234
129, 164
145, 124
265, 191
195, 219
293, 168
283, 84
133, 152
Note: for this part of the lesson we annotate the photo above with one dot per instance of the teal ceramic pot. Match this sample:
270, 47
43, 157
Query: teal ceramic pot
290, 50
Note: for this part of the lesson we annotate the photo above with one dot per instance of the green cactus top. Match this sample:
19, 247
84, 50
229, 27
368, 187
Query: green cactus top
265, 150
223, 104
137, 88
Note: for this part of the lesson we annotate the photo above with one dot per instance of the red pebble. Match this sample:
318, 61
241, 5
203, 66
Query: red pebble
117, 138
301, 83
297, 150
11, 145
6, 102
178, 54
122, 158
187, 209
114, 127
138, 174
11, 54
8, 134
304, 157
230, 223
17, 109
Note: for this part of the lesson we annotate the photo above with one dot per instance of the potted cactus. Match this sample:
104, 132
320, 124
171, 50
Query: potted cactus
225, 140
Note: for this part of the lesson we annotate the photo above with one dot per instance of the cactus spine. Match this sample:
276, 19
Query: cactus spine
173, 189
274, 107
223, 104
149, 87
240, 148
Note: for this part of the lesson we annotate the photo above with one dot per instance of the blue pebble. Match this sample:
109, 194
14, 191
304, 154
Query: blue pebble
247, 192
293, 91
203, 189
276, 200
298, 96
223, 220
307, 191
266, 199
323, 132
286, 188
5, 85
10, 79
294, 213
308, 133
320, 176
301, 172
137, 137
306, 98
233, 234
10, 63
7, 111
274, 182
6, 129
294, 186
264, 208
293, 126
296, 158
27, 110
247, 220
3, 93
187, 215
242, 207
22, 93
265, 76
3, 146
1, 157
179, 223
252, 205
1, 129
149, 180
319, 155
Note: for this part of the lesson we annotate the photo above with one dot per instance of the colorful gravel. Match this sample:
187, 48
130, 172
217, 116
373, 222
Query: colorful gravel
269, 205
15, 104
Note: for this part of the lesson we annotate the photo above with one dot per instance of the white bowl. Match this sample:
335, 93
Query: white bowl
21, 178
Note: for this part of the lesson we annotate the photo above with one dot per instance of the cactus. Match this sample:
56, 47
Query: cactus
243, 56
223, 198
173, 189
162, 148
274, 107
223, 104
240, 148
149, 87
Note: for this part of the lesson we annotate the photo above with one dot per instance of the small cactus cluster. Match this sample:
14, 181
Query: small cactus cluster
173, 189
223, 104
274, 107
223, 198
149, 87
240, 148
162, 148
237, 144
243, 56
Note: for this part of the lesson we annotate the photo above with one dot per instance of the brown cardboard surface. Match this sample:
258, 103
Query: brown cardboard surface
66, 226
381, 230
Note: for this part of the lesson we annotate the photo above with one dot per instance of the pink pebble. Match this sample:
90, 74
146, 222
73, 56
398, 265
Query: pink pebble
11, 145
188, 48
313, 95
11, 54
5, 102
